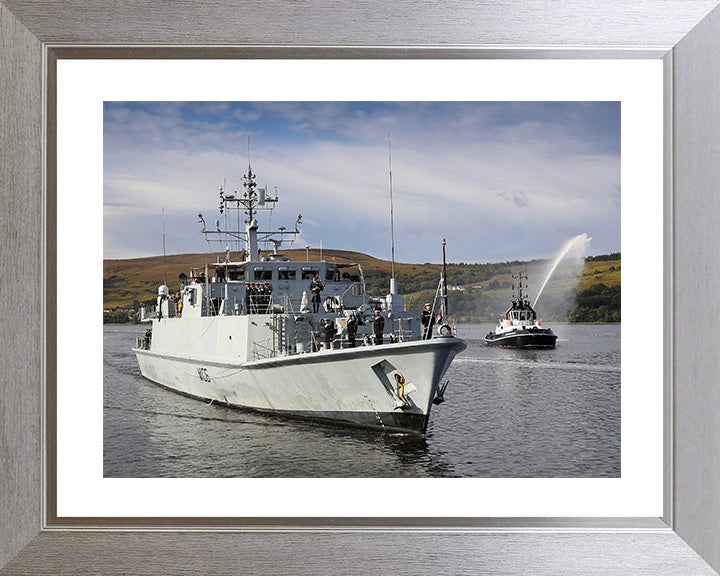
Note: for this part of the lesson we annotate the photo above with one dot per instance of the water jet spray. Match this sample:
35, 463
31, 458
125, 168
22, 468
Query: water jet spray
575, 247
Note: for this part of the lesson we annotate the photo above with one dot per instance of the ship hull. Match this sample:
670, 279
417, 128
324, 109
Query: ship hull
355, 386
522, 339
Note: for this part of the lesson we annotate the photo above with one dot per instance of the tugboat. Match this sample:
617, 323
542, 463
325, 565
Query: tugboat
296, 339
520, 327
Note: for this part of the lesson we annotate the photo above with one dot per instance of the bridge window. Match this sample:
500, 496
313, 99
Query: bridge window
236, 274
309, 273
286, 274
261, 274
332, 275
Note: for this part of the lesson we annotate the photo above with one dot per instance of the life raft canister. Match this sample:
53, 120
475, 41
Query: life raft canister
331, 303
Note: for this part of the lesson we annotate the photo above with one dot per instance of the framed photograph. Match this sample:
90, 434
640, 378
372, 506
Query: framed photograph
469, 171
655, 516
567, 467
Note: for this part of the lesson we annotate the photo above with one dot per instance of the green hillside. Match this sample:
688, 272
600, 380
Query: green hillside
478, 292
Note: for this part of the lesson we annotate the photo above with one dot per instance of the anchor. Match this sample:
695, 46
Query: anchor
440, 393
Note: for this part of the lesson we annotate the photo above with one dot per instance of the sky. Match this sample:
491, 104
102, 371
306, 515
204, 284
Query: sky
500, 181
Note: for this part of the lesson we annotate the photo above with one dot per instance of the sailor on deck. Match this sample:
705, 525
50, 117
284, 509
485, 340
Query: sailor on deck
315, 288
328, 334
352, 325
427, 320
378, 328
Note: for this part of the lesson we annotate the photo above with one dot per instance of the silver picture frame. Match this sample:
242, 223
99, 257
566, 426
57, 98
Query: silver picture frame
684, 34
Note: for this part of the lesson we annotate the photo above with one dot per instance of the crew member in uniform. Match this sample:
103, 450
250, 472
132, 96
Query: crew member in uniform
352, 325
268, 296
427, 320
252, 298
378, 328
315, 288
328, 334
148, 338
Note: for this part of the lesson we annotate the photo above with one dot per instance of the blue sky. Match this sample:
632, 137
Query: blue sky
500, 180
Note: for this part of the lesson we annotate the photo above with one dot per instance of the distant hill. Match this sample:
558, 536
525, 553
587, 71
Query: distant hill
478, 292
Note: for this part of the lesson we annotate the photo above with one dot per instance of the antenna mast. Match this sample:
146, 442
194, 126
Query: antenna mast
164, 257
393, 284
250, 185
444, 285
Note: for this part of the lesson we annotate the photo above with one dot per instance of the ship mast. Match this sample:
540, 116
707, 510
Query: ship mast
252, 200
164, 255
249, 201
519, 278
444, 285
393, 281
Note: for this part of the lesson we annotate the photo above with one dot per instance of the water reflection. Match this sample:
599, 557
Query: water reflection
225, 442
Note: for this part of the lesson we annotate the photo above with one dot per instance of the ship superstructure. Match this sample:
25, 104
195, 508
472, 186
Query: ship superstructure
295, 338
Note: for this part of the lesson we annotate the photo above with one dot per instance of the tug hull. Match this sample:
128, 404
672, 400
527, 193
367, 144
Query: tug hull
522, 339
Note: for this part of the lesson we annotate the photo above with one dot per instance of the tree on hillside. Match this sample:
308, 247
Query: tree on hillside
598, 303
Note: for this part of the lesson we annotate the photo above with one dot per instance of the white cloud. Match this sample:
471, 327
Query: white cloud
530, 184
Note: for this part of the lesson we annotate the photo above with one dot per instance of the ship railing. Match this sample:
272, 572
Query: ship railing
259, 303
268, 304
288, 304
210, 307
310, 341
453, 327
354, 289
402, 335
262, 352
147, 313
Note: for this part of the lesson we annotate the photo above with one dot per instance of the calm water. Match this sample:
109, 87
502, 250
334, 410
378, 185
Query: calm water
508, 413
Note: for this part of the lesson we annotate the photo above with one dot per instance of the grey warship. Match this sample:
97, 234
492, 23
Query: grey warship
299, 339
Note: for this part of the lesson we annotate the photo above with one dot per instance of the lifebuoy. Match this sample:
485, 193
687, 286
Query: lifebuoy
445, 330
